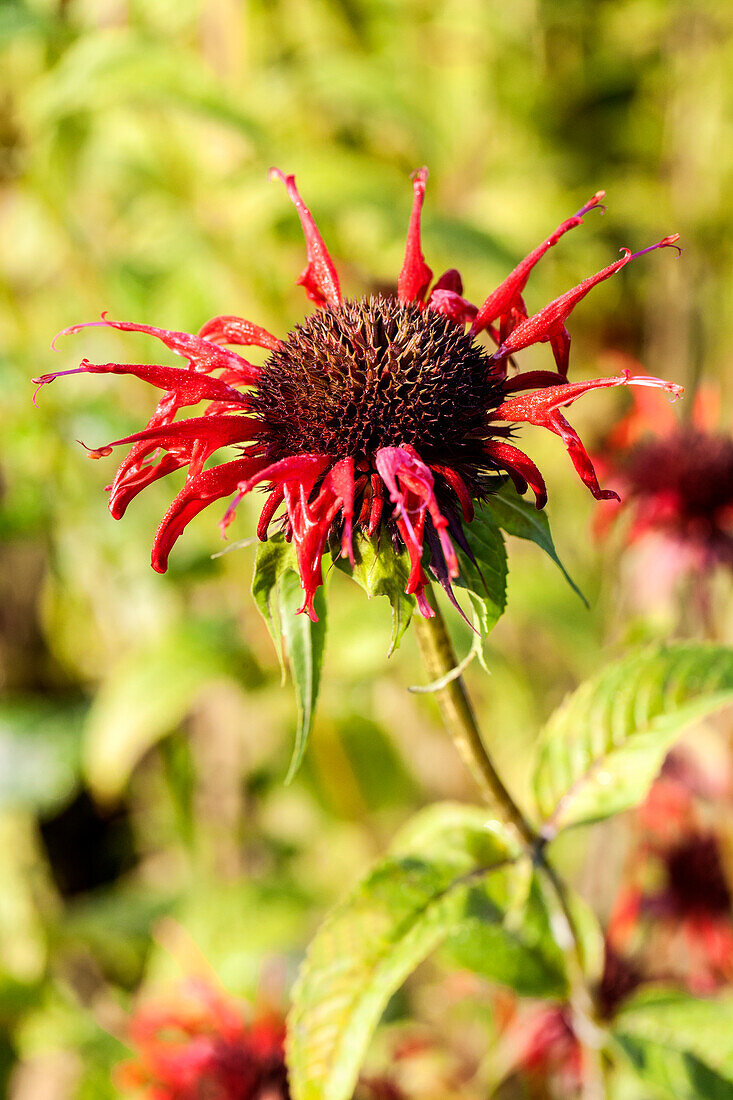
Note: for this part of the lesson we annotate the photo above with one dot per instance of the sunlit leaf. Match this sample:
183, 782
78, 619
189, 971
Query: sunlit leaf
601, 750
277, 591
451, 865
484, 578
680, 1046
519, 517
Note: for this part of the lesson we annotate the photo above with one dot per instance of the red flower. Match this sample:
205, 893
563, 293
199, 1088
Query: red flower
676, 910
374, 413
676, 481
201, 1046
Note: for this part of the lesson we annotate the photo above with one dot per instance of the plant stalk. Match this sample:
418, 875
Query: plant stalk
458, 715
439, 658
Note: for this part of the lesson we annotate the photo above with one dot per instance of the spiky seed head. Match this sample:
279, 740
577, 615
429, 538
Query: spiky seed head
375, 372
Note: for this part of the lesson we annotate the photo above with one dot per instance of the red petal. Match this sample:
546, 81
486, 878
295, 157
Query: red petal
414, 278
516, 462
215, 431
458, 485
197, 494
450, 280
189, 386
542, 408
452, 305
235, 330
319, 278
132, 477
501, 300
205, 355
549, 321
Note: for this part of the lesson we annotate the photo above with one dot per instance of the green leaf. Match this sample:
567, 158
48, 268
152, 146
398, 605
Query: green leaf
381, 572
437, 875
515, 515
681, 1046
484, 580
601, 750
278, 594
304, 643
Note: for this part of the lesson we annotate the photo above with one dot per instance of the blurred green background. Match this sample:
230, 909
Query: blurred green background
144, 732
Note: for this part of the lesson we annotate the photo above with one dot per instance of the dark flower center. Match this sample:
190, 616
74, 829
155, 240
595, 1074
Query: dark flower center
696, 879
375, 372
695, 466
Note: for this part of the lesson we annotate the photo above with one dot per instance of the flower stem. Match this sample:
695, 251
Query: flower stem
439, 658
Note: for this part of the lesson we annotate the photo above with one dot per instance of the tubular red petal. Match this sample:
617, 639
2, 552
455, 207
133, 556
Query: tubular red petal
236, 330
535, 407
516, 462
542, 408
410, 485
458, 485
132, 477
197, 494
449, 280
550, 320
340, 482
300, 468
501, 300
414, 278
452, 305
377, 504
189, 386
272, 504
319, 278
215, 431
205, 355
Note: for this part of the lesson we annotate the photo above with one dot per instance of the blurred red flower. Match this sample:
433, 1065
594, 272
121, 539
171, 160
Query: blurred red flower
675, 911
200, 1045
675, 480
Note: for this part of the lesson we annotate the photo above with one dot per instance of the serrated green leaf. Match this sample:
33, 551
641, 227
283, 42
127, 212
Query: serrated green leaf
381, 572
518, 517
304, 643
679, 1045
421, 892
278, 594
511, 945
601, 750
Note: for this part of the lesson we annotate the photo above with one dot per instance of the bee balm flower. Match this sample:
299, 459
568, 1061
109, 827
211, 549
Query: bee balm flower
380, 413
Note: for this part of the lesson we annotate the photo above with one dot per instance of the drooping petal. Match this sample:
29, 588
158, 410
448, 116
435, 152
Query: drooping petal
508, 296
133, 476
459, 487
236, 330
189, 386
215, 431
543, 409
197, 494
319, 279
414, 278
520, 468
203, 354
410, 485
549, 323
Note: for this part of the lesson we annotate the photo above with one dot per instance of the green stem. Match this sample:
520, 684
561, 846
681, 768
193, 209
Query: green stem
439, 658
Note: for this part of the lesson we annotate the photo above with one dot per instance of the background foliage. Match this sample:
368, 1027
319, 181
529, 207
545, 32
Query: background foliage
144, 733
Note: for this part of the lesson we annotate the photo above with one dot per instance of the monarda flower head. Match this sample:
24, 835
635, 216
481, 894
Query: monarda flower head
676, 479
382, 414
